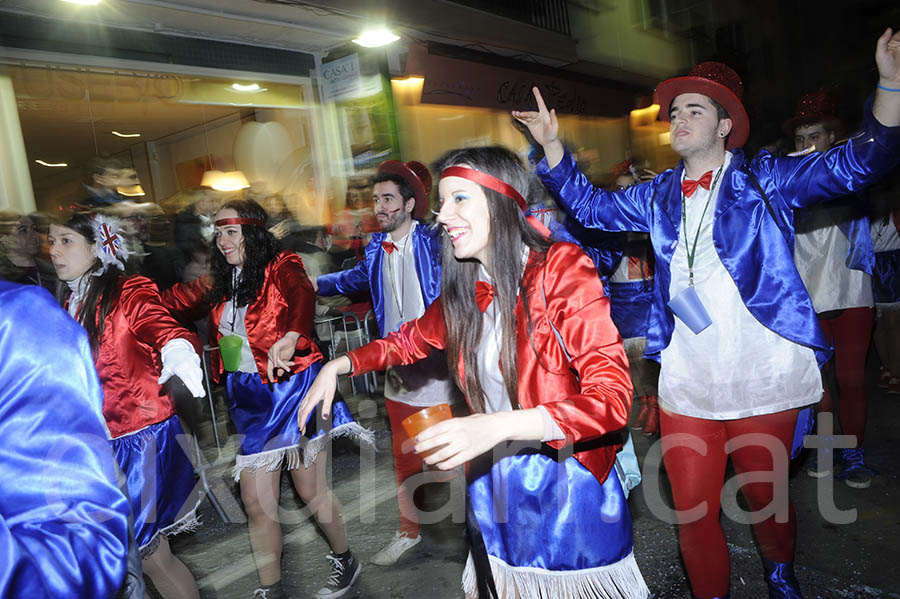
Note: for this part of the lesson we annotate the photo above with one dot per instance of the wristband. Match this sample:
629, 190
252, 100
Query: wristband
888, 89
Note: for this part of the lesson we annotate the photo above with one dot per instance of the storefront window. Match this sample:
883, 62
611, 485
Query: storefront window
166, 131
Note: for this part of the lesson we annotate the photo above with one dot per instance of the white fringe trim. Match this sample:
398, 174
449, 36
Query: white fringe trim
621, 580
290, 457
189, 523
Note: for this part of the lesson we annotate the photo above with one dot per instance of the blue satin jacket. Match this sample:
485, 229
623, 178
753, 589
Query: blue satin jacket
63, 519
756, 249
367, 274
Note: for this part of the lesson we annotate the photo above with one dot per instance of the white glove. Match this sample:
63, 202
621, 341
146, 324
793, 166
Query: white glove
180, 359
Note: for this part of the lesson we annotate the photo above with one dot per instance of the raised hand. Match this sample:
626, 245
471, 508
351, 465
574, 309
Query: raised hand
887, 57
542, 124
886, 107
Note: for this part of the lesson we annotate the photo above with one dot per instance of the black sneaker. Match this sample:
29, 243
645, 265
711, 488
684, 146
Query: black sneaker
344, 571
272, 591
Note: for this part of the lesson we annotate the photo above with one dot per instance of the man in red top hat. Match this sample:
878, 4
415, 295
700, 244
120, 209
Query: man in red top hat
401, 269
733, 327
835, 257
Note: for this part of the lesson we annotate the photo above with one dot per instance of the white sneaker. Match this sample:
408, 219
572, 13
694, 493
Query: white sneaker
400, 544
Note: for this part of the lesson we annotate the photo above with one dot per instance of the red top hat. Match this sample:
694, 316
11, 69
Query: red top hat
719, 82
418, 177
814, 107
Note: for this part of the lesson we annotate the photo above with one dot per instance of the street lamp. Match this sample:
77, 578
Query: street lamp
373, 38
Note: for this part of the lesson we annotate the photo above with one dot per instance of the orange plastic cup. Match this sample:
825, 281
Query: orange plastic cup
418, 422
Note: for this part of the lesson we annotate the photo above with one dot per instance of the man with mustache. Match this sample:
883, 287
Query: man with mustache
402, 270
722, 232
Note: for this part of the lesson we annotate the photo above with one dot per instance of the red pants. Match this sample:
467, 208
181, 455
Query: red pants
850, 334
697, 478
405, 464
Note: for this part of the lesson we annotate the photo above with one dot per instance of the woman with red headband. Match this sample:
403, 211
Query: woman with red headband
262, 295
527, 333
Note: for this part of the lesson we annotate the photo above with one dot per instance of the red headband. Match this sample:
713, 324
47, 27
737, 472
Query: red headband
240, 221
488, 181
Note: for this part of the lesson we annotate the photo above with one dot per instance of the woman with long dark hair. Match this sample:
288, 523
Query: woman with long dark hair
262, 295
527, 332
137, 346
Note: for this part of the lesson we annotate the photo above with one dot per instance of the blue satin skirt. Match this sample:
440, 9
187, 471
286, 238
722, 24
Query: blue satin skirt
886, 277
266, 415
536, 512
629, 306
160, 481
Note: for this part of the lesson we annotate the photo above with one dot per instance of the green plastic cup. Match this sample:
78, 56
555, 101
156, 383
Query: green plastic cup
230, 346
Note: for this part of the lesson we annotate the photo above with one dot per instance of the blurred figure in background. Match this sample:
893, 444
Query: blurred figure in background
102, 177
834, 255
885, 218
20, 252
630, 298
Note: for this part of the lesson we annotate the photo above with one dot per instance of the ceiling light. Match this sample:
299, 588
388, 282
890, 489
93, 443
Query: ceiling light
373, 38
117, 134
52, 164
230, 181
83, 2
253, 87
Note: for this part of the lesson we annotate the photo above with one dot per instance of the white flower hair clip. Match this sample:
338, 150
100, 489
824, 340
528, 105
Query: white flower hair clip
109, 246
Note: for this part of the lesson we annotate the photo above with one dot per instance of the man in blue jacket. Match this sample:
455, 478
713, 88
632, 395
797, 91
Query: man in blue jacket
835, 257
743, 355
402, 270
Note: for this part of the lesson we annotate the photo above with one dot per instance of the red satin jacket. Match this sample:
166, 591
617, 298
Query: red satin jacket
588, 402
286, 302
128, 361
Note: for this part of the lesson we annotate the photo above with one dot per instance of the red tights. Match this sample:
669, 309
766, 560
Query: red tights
850, 334
697, 478
405, 464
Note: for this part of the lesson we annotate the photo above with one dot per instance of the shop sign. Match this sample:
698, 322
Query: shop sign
340, 79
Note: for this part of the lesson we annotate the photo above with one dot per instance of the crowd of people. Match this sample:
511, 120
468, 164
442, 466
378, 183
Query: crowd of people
725, 298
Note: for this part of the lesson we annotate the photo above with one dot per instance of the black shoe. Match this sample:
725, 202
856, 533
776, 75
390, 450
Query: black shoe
344, 571
272, 591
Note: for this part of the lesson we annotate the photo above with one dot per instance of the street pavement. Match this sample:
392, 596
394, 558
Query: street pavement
854, 560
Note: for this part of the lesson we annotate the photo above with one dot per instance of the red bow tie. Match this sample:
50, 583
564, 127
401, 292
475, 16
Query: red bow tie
484, 295
689, 186
390, 247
